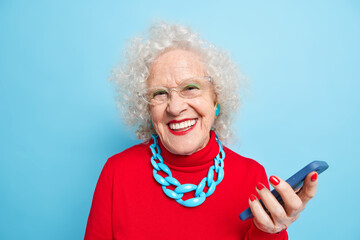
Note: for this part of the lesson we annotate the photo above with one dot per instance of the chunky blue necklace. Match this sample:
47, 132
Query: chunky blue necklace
176, 194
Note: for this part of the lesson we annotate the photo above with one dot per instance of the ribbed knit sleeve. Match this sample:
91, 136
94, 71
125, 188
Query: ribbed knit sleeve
99, 224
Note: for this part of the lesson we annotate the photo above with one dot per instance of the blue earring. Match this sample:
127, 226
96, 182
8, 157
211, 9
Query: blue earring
217, 109
151, 123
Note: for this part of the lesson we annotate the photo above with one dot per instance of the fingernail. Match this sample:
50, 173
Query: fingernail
274, 180
259, 186
314, 177
252, 197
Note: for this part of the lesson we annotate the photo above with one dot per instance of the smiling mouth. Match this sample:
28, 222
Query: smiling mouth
182, 127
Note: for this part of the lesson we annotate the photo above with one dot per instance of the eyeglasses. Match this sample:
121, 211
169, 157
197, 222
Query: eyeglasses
188, 88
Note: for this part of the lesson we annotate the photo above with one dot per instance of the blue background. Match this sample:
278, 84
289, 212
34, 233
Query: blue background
59, 121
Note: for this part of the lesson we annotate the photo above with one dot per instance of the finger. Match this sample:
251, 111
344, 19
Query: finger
275, 209
308, 190
262, 220
292, 202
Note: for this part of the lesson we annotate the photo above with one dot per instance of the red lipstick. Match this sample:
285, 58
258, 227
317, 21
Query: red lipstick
179, 121
178, 133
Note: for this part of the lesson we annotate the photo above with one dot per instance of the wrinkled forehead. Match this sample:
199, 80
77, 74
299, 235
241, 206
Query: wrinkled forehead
172, 67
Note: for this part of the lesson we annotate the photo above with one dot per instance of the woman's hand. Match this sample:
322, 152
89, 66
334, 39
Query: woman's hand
279, 217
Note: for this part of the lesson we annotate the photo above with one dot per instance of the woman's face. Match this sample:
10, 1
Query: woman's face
169, 70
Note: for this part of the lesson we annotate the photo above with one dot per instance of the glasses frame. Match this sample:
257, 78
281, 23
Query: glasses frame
143, 93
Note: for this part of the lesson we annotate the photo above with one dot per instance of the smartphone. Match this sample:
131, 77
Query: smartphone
296, 181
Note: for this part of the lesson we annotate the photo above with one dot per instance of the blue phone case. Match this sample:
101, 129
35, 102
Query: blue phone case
296, 181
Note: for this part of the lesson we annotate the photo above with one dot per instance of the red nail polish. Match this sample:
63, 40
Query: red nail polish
252, 197
259, 186
314, 177
274, 180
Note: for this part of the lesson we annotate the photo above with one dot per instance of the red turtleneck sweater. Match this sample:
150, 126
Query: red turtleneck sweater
129, 204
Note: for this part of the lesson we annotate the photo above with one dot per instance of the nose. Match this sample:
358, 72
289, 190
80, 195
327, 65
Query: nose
176, 104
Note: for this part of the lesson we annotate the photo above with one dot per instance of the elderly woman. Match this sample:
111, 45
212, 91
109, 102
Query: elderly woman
182, 183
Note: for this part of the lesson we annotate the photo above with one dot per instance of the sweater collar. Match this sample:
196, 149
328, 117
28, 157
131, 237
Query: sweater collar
204, 156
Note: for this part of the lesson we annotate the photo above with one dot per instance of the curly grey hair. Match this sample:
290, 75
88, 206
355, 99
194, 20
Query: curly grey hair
133, 73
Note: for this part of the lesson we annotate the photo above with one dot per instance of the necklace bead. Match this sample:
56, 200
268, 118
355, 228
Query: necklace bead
177, 194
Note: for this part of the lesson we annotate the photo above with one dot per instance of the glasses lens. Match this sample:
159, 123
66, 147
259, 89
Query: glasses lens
193, 87
157, 95
189, 88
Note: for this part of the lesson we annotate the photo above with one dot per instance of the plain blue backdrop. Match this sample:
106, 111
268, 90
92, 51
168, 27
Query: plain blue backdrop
59, 121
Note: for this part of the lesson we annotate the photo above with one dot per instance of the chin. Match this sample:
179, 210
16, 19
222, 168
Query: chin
186, 147
185, 144
182, 150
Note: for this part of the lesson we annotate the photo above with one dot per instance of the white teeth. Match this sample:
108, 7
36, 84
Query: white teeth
184, 124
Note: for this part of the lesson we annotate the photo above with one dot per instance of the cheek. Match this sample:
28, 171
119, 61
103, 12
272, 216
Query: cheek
157, 113
153, 114
206, 110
